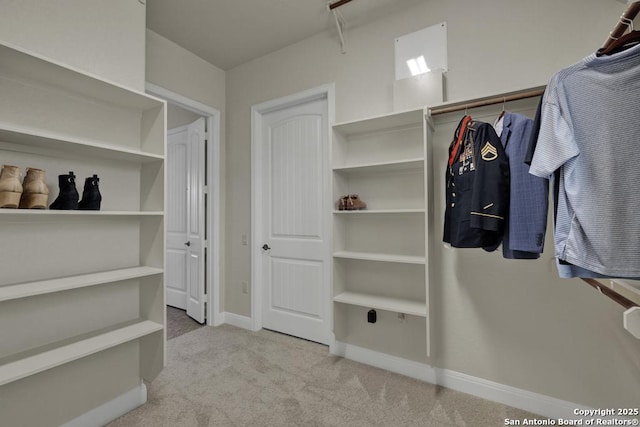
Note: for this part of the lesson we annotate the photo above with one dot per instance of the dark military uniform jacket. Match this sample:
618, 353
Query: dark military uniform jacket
477, 188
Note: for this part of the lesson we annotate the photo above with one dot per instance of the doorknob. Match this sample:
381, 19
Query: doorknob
188, 244
265, 247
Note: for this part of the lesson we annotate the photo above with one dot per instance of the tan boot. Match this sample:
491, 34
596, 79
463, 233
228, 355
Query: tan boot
10, 187
356, 203
35, 192
344, 203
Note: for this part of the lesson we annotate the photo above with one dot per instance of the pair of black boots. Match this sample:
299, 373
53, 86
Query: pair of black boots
68, 197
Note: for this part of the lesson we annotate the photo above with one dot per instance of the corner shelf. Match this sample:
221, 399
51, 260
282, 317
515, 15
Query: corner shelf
59, 304
24, 290
19, 366
383, 303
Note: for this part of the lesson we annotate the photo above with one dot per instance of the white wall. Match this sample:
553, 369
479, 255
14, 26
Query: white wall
553, 337
180, 71
177, 116
102, 37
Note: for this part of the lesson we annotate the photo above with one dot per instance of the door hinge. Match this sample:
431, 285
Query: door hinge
205, 244
205, 189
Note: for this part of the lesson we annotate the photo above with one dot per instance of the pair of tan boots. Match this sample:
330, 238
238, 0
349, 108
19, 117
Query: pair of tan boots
31, 194
351, 202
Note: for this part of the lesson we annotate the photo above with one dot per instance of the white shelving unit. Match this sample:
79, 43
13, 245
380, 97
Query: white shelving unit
380, 254
82, 309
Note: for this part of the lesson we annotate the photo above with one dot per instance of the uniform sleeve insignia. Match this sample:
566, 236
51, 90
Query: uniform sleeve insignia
489, 152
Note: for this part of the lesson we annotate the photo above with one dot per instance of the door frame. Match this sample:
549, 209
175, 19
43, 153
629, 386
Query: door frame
257, 266
214, 179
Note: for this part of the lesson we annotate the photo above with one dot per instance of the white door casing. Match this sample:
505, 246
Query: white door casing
291, 204
185, 282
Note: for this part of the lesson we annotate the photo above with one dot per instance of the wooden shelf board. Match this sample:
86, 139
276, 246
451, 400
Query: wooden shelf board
29, 289
15, 138
29, 363
377, 167
383, 303
404, 259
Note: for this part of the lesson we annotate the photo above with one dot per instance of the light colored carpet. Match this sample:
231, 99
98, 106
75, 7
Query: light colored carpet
226, 376
178, 323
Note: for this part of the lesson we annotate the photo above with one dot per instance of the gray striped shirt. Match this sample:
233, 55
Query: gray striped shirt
590, 130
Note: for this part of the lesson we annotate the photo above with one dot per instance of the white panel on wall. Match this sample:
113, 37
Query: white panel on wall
421, 51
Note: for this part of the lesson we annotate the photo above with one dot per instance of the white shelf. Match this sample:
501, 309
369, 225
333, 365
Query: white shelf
62, 213
378, 167
383, 303
15, 138
16, 63
39, 360
403, 259
380, 123
380, 211
29, 289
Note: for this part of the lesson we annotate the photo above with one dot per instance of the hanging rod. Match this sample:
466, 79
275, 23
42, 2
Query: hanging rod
507, 97
338, 4
623, 23
626, 303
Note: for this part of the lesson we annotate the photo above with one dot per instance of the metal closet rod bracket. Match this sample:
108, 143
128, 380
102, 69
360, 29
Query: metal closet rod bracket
339, 21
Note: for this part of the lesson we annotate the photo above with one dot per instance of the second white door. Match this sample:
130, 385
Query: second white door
295, 251
185, 276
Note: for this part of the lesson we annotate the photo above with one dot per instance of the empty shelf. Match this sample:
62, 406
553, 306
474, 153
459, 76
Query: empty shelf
41, 360
397, 165
15, 138
29, 289
383, 303
405, 259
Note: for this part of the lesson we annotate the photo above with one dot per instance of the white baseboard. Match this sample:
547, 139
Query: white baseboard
233, 319
111, 410
409, 368
522, 399
518, 398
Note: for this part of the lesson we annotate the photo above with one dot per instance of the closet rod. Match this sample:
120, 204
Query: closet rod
461, 106
623, 23
626, 303
338, 4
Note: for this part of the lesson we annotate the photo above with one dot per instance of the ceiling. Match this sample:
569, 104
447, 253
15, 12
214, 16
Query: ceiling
227, 33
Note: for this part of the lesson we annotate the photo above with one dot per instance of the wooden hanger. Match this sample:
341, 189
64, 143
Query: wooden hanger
618, 40
618, 45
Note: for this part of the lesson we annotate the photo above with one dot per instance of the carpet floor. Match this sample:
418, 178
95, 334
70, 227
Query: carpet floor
227, 376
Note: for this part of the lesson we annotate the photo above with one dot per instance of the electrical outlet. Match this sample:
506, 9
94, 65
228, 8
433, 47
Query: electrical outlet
244, 240
245, 287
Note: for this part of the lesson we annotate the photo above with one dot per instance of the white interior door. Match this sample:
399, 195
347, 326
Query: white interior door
295, 265
185, 276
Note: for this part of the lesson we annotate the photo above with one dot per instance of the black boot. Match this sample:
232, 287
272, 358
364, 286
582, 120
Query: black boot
91, 197
68, 197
